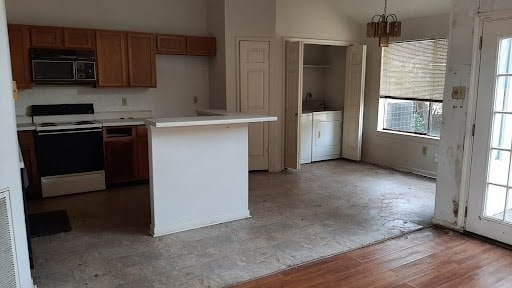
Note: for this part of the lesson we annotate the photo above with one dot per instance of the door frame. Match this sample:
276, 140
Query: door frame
326, 42
472, 98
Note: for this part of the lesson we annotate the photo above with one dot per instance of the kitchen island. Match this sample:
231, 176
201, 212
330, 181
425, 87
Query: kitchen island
198, 170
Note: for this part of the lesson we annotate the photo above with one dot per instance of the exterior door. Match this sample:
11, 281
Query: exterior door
354, 102
490, 190
294, 59
254, 97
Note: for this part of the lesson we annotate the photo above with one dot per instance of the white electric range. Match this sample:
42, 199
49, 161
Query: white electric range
69, 146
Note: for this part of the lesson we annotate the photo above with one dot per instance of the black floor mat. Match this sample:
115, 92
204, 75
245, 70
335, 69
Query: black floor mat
49, 223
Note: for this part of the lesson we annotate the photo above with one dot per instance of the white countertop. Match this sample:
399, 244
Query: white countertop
25, 127
121, 122
208, 120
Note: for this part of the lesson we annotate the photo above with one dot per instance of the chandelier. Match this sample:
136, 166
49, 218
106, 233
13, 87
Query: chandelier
384, 26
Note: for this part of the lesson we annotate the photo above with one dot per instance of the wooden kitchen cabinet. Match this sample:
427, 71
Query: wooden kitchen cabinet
19, 44
141, 59
79, 39
112, 62
46, 37
201, 46
171, 44
142, 153
120, 154
28, 151
126, 154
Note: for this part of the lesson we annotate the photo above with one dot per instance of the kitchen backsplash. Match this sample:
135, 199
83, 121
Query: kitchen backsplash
104, 100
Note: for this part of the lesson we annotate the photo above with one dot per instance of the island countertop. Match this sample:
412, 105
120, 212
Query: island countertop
208, 120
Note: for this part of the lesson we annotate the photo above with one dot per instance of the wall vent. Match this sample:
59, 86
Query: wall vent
8, 268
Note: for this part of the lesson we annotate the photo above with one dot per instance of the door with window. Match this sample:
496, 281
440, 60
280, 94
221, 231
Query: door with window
490, 190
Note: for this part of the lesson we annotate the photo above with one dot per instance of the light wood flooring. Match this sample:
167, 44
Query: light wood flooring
427, 258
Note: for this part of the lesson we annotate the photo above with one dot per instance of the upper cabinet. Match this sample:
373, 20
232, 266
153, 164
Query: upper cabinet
171, 44
19, 43
112, 66
46, 37
201, 46
123, 59
62, 38
79, 39
141, 59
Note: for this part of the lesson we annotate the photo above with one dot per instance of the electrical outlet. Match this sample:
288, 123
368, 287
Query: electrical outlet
124, 101
436, 158
195, 100
424, 150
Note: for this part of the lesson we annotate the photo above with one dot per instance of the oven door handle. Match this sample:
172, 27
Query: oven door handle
68, 132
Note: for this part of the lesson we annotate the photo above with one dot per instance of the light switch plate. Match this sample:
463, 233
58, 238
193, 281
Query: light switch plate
459, 92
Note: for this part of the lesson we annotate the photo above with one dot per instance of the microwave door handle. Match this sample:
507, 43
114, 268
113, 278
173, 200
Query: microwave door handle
74, 70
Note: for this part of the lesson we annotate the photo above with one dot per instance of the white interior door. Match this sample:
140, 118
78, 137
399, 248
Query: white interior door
294, 59
490, 189
354, 103
254, 97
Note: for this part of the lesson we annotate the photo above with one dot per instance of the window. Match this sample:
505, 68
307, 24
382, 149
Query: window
412, 86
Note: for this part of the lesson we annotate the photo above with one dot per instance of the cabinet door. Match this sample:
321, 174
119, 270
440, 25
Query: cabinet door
111, 59
141, 60
142, 153
120, 160
170, 44
19, 43
79, 38
47, 37
28, 151
201, 46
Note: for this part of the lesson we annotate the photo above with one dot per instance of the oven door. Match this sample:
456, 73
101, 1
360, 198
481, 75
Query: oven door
69, 152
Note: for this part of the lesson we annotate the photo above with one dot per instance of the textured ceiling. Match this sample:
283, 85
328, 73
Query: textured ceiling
362, 10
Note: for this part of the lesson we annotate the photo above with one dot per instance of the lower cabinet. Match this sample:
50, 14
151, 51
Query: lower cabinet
126, 154
28, 152
321, 134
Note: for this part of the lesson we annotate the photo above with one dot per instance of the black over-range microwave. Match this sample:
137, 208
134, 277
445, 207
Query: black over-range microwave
63, 66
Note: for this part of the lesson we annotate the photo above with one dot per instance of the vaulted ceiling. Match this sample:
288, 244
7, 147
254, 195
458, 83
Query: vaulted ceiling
362, 10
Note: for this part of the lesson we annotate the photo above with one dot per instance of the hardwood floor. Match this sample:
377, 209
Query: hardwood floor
427, 258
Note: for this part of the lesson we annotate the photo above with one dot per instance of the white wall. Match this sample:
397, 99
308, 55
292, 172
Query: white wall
179, 78
9, 165
382, 147
454, 127
318, 19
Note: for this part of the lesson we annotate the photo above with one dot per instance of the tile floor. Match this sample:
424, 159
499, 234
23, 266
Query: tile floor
298, 216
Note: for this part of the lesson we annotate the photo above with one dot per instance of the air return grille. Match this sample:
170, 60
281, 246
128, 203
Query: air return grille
8, 278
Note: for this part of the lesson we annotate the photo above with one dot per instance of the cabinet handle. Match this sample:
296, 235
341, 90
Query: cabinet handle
318, 134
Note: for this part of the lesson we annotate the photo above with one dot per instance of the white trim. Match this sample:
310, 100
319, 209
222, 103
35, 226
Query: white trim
161, 231
447, 224
480, 19
408, 136
320, 41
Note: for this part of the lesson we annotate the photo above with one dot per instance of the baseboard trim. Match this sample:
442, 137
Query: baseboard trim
446, 224
157, 231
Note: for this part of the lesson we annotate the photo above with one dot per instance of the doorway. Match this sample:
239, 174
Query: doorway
490, 184
323, 101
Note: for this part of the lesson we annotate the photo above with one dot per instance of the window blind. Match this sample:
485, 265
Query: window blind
414, 70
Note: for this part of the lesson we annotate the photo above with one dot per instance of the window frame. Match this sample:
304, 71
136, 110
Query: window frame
383, 98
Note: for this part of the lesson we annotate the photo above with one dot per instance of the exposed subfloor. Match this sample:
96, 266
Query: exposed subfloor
297, 216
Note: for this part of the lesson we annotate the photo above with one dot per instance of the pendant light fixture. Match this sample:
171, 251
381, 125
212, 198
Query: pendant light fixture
384, 26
